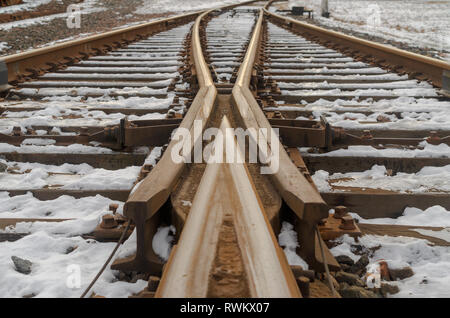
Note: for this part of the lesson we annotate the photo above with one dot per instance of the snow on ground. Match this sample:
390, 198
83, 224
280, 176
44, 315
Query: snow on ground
421, 92
3, 46
65, 93
431, 264
425, 150
162, 241
288, 239
423, 23
86, 7
56, 249
58, 114
55, 273
64, 263
428, 179
26, 206
73, 148
25, 6
433, 120
67, 176
50, 248
404, 104
158, 6
436, 216
154, 154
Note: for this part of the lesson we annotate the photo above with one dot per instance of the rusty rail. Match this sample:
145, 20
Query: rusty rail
20, 66
401, 61
38, 61
143, 205
300, 195
227, 194
153, 192
225, 191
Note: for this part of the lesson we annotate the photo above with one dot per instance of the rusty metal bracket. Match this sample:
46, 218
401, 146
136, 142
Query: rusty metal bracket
301, 133
338, 224
153, 133
320, 134
366, 138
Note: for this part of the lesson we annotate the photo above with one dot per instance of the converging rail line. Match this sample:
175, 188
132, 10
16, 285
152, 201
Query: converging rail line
100, 119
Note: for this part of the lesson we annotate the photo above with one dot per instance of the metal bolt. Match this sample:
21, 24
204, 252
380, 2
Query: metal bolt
108, 222
113, 207
347, 223
340, 211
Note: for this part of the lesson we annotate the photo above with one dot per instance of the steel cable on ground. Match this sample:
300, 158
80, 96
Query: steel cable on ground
122, 237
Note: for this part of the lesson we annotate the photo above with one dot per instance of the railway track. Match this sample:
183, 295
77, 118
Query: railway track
90, 124
378, 109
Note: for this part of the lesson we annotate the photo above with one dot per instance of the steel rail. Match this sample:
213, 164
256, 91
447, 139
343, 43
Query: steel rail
152, 193
301, 197
19, 66
226, 193
224, 188
41, 60
143, 204
412, 63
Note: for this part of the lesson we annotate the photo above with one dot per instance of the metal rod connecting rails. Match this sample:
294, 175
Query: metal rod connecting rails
414, 64
301, 197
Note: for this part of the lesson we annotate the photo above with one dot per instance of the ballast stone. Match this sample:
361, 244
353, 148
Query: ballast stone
22, 265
